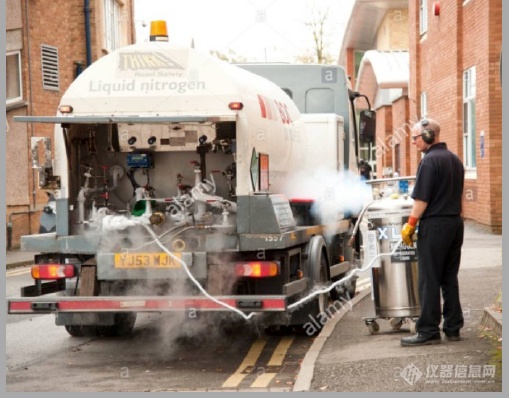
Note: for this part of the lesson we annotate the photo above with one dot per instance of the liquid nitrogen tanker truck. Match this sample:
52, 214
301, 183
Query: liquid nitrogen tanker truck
185, 183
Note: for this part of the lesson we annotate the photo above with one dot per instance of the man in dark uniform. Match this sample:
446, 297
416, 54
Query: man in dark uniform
365, 170
437, 203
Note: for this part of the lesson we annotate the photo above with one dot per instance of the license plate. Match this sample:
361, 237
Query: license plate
146, 260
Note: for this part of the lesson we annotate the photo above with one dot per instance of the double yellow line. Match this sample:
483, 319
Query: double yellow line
248, 364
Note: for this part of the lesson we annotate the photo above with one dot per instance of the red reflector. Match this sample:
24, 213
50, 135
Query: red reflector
301, 200
52, 271
257, 269
235, 106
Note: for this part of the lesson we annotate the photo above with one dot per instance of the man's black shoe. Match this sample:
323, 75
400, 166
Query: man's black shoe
419, 339
453, 336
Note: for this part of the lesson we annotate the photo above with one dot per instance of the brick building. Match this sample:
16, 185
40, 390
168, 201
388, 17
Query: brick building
454, 50
47, 44
375, 54
455, 78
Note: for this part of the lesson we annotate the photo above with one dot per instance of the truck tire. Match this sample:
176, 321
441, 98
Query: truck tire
352, 287
322, 299
122, 326
346, 291
306, 318
316, 310
80, 330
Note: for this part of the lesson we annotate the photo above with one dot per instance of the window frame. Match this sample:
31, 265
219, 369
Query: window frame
469, 119
423, 17
112, 30
424, 104
14, 100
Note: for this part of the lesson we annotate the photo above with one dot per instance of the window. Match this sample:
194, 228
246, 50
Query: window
358, 59
424, 104
397, 158
49, 65
423, 15
288, 92
469, 88
368, 153
320, 100
111, 25
14, 89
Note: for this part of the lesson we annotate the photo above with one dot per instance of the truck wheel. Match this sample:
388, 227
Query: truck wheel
318, 305
122, 326
322, 299
80, 330
351, 287
344, 291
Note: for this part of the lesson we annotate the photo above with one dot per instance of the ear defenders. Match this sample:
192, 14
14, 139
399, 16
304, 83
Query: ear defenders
428, 135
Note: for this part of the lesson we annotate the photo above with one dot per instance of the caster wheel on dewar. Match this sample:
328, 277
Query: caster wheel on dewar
396, 323
373, 327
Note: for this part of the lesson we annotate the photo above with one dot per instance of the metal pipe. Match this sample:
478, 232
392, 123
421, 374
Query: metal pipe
382, 180
351, 241
30, 96
87, 32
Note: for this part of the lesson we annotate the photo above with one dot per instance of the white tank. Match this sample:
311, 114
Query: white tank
160, 80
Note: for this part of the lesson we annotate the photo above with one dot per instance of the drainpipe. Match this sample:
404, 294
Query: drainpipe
87, 32
31, 171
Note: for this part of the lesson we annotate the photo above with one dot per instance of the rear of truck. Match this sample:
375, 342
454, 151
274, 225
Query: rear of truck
170, 177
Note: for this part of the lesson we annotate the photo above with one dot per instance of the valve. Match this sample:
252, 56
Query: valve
157, 218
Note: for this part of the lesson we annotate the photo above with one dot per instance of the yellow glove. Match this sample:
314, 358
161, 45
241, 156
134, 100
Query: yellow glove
406, 234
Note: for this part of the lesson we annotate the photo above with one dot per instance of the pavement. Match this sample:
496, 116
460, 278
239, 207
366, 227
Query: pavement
346, 357
16, 258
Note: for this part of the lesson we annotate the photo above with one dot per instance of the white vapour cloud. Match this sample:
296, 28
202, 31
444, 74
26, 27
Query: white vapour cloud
334, 193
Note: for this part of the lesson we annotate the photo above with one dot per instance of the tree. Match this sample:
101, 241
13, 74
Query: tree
318, 24
231, 56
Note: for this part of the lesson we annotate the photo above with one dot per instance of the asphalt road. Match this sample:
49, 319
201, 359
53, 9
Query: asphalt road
165, 352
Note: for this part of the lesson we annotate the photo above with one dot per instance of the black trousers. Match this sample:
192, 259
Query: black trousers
439, 254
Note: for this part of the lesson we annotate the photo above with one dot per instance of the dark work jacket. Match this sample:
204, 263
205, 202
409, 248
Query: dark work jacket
439, 182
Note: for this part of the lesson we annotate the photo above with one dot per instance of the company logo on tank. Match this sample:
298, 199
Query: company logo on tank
148, 61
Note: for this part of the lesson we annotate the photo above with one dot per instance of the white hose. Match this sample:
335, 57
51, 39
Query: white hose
343, 280
250, 315
193, 279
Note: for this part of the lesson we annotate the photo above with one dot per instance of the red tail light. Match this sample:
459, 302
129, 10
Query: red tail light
257, 269
52, 271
